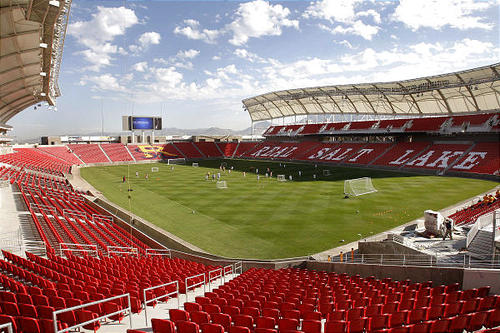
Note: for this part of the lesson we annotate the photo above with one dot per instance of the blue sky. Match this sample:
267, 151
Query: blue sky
192, 62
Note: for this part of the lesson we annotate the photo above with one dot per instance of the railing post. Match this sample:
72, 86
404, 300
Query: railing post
464, 260
381, 259
362, 258
404, 259
469, 260
130, 310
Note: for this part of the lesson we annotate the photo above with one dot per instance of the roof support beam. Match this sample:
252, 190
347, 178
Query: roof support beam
347, 97
332, 99
411, 96
366, 98
386, 98
300, 103
12, 54
442, 98
20, 67
17, 34
9, 114
470, 92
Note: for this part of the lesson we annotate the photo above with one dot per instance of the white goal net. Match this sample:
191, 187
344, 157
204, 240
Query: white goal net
221, 184
195, 164
176, 161
155, 169
358, 186
281, 178
326, 173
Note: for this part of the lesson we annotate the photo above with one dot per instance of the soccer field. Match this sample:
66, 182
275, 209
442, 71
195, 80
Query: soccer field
267, 218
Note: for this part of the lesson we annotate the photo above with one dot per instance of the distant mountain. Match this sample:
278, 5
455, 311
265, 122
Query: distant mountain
170, 131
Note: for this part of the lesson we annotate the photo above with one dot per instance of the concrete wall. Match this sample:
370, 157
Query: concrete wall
386, 247
438, 275
475, 278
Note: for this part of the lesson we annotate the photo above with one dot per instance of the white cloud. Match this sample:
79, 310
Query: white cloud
140, 66
344, 16
99, 32
231, 82
145, 41
332, 10
215, 57
191, 30
257, 19
245, 54
372, 13
104, 82
436, 14
188, 54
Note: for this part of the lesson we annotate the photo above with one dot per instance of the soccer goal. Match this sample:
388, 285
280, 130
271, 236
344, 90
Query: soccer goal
221, 184
155, 169
281, 178
358, 186
195, 164
176, 161
326, 173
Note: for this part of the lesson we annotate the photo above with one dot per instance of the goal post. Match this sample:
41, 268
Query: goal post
155, 169
281, 178
195, 164
358, 186
221, 184
176, 161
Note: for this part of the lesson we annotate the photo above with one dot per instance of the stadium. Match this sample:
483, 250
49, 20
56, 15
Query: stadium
362, 207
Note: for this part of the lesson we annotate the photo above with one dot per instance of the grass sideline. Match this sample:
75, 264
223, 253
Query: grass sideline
270, 219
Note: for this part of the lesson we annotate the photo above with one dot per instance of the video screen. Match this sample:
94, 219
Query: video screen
142, 123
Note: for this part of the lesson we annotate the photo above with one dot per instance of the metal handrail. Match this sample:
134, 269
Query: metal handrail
107, 218
194, 285
92, 246
218, 272
226, 272
8, 326
131, 250
129, 309
238, 266
157, 298
462, 261
159, 252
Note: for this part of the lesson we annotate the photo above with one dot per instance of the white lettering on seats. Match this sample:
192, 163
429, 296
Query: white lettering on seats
285, 153
260, 151
271, 151
444, 158
360, 153
402, 159
420, 161
319, 153
471, 161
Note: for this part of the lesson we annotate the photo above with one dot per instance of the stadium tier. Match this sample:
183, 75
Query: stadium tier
209, 149
89, 153
227, 148
36, 160
189, 150
117, 152
468, 215
481, 123
61, 152
293, 300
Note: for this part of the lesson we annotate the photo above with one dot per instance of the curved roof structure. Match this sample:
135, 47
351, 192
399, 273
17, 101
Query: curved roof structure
31, 37
470, 91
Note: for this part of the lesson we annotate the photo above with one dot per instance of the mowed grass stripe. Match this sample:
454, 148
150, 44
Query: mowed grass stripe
272, 219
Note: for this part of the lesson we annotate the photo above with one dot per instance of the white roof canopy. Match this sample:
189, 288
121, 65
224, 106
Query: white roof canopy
31, 37
470, 91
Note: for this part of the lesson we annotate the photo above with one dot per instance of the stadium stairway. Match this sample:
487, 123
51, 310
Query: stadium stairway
481, 245
105, 154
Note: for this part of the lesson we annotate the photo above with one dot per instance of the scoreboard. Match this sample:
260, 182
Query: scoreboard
131, 123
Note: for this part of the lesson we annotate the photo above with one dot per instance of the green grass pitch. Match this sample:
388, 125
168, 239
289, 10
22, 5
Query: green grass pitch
270, 219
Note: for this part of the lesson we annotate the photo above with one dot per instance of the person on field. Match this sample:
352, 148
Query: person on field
448, 226
124, 179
